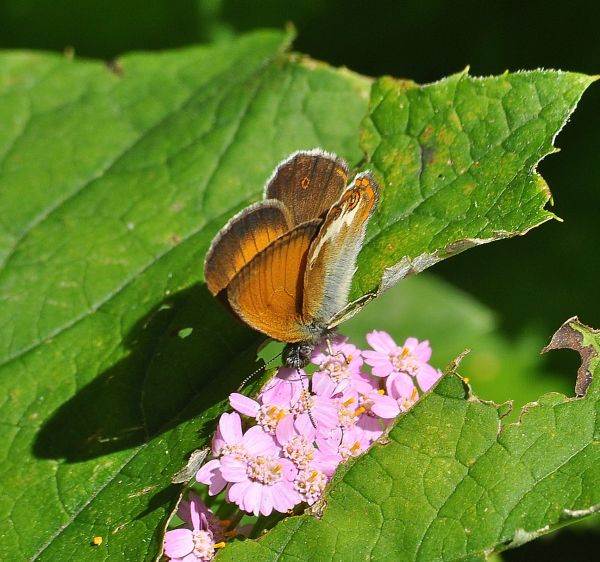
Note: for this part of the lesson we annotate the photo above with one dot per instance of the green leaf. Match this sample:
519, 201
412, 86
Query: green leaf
455, 481
457, 159
112, 186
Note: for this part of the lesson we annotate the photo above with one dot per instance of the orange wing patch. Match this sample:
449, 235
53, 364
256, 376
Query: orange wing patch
267, 292
244, 236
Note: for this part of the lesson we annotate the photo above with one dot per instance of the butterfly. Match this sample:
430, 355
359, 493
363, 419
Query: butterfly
284, 265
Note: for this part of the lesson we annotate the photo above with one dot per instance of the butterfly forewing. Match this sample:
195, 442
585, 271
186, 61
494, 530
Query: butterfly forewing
244, 236
332, 257
308, 183
267, 293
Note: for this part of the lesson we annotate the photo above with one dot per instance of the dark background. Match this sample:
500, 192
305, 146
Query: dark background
535, 282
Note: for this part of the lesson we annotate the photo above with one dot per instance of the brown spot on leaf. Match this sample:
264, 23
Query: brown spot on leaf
427, 154
426, 134
460, 246
318, 508
115, 67
569, 337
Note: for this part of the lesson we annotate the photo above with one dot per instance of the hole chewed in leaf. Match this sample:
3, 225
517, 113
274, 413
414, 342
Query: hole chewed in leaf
571, 336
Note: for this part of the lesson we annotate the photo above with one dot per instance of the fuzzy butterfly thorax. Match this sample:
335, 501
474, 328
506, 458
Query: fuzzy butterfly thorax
284, 265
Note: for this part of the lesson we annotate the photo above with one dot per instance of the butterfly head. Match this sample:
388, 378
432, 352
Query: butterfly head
297, 355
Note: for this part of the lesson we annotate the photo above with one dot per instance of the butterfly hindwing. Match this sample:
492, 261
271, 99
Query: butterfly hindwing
308, 183
267, 292
332, 257
244, 236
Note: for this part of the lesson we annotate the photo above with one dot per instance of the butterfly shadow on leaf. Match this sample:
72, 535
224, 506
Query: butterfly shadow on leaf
183, 359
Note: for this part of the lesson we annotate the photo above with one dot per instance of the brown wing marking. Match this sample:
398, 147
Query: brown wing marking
244, 236
308, 183
332, 258
267, 293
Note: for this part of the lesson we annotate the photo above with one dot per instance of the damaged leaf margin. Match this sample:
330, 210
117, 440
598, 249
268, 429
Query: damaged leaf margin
583, 339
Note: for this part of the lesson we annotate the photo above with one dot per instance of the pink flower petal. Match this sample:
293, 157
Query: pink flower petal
195, 515
243, 404
178, 543
356, 434
325, 414
284, 390
381, 341
375, 358
318, 357
233, 470
266, 501
427, 377
383, 370
184, 508
288, 469
363, 384
371, 430
385, 407
217, 443
281, 499
252, 497
327, 463
259, 443
423, 351
285, 430
400, 385
236, 492
210, 474
329, 444
230, 426
293, 497
303, 426
411, 343
322, 384
321, 353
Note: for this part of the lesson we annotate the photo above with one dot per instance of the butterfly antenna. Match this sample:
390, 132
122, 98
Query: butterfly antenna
305, 393
254, 373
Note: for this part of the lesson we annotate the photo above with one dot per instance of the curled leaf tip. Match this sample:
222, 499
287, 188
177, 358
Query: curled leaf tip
571, 336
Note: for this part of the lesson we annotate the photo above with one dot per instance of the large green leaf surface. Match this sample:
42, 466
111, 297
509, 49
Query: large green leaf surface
114, 358
456, 482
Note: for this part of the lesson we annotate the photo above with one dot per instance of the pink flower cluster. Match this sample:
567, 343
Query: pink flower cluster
279, 450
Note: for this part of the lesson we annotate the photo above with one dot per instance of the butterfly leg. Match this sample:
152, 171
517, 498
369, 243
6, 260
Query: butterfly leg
305, 394
336, 353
